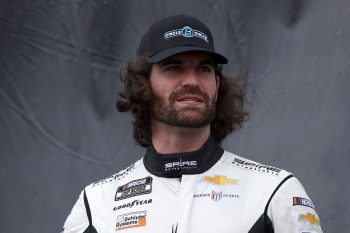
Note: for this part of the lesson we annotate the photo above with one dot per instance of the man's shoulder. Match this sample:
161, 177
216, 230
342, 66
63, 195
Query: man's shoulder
118, 177
252, 167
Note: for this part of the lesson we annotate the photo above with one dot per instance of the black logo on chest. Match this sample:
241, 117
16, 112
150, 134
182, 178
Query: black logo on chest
134, 188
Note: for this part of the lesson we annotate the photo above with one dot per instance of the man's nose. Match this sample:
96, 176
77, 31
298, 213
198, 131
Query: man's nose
190, 77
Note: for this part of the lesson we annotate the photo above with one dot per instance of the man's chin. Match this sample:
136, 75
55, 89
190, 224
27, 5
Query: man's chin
189, 125
186, 117
189, 121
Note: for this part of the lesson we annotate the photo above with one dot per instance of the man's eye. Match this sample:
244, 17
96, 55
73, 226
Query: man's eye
205, 69
173, 68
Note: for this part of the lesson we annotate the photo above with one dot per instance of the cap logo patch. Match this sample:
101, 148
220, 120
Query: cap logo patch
186, 31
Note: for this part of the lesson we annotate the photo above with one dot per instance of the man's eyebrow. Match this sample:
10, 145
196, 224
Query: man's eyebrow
207, 62
170, 61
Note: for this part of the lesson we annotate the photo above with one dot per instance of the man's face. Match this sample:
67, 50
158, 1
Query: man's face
184, 90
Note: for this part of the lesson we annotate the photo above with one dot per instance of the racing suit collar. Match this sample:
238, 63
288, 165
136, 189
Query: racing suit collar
175, 165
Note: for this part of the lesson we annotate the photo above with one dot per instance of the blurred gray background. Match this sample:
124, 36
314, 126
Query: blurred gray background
59, 78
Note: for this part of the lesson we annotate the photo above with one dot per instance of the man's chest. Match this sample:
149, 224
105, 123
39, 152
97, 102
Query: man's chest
201, 203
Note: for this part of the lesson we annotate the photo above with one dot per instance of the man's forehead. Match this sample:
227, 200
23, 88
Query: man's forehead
189, 57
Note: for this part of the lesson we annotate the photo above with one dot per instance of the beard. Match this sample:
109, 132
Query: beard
186, 117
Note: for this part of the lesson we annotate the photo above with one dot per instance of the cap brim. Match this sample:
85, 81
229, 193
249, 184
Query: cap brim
220, 59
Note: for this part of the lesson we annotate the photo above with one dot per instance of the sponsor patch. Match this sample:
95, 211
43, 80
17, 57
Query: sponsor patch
134, 188
256, 166
116, 176
130, 220
310, 218
216, 196
218, 180
303, 202
132, 204
186, 31
180, 165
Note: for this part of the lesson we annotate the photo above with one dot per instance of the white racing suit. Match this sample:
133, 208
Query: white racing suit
206, 191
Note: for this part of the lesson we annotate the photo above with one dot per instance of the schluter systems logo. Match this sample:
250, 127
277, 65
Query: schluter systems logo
130, 220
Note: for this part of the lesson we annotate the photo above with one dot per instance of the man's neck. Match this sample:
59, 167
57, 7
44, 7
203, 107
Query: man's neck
168, 139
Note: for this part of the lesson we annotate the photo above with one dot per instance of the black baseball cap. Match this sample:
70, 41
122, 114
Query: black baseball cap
177, 34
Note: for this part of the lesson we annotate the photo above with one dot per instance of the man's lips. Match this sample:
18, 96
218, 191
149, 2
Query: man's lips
190, 98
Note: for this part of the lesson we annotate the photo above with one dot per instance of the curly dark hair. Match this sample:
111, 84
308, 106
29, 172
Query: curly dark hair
136, 95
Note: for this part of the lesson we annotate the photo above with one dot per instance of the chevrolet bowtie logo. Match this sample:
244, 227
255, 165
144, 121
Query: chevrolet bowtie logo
220, 180
309, 218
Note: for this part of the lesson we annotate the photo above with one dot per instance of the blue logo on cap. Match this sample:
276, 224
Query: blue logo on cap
186, 31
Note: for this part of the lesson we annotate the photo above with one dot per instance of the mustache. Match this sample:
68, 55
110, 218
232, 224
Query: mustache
195, 90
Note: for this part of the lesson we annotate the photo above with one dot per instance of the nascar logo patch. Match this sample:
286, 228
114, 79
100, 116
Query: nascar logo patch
303, 202
134, 188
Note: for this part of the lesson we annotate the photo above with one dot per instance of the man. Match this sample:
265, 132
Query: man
183, 107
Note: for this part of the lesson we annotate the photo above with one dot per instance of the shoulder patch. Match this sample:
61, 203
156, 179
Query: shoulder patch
116, 176
254, 166
303, 202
